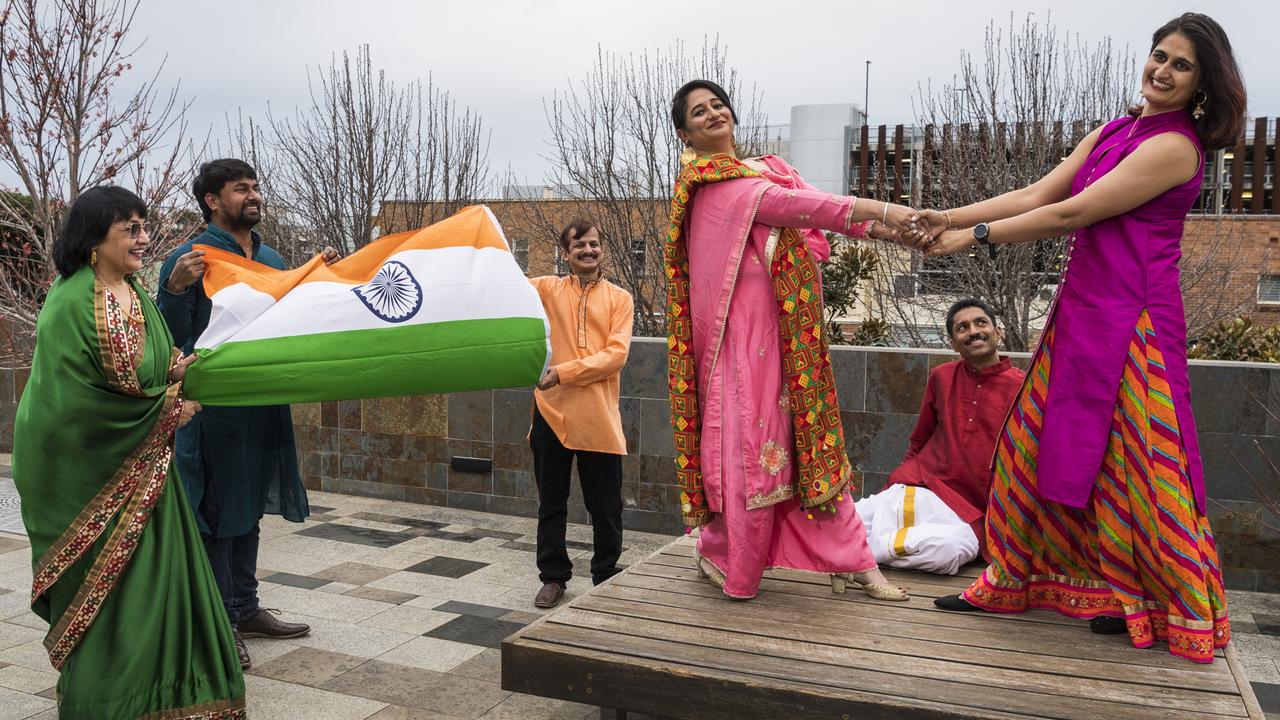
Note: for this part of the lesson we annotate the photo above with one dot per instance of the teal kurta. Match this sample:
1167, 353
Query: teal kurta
237, 463
138, 629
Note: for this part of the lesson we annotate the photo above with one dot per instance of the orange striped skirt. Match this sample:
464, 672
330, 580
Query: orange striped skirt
1140, 549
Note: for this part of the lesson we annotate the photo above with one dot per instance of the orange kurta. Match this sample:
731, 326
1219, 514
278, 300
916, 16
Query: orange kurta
590, 339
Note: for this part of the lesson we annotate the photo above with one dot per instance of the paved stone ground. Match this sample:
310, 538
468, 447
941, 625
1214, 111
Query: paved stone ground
408, 605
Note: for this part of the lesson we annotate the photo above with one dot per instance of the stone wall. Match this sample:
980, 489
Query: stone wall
400, 448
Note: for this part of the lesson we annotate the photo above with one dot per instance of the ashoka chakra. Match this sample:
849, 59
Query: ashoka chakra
393, 294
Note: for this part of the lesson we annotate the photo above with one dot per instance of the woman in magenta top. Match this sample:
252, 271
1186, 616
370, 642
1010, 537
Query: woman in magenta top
1098, 505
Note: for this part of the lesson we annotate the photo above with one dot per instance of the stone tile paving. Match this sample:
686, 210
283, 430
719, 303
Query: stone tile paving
408, 605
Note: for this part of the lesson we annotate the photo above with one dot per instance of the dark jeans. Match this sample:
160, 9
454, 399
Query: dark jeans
235, 567
601, 477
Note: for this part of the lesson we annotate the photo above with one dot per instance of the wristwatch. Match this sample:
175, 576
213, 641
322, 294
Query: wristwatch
981, 231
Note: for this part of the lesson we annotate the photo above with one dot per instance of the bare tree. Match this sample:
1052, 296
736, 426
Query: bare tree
613, 150
1215, 278
1010, 116
363, 141
66, 127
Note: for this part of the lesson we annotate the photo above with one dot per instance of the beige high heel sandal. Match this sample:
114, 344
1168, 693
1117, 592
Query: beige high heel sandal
875, 591
708, 570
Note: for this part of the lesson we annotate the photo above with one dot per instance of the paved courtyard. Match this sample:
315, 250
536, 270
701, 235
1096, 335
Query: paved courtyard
408, 605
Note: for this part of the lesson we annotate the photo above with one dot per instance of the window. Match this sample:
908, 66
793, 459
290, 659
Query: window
520, 250
637, 254
1269, 290
562, 265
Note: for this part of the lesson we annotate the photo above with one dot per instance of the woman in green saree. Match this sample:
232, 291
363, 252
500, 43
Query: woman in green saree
137, 627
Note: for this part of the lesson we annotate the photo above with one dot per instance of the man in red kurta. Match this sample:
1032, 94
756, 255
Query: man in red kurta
931, 515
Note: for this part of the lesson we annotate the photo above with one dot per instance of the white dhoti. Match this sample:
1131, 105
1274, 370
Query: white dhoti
910, 527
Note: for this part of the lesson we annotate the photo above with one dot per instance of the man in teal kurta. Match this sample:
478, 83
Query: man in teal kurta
236, 463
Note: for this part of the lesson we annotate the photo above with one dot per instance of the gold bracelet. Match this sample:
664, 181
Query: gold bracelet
947, 214
885, 220
871, 226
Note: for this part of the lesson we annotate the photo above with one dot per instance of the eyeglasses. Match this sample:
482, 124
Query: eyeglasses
136, 228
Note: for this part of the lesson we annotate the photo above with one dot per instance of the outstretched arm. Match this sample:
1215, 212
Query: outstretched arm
802, 208
1156, 166
1051, 188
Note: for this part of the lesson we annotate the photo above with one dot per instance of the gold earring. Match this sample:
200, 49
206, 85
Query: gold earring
687, 156
93, 257
1200, 98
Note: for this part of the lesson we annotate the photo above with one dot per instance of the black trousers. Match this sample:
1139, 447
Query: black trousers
601, 477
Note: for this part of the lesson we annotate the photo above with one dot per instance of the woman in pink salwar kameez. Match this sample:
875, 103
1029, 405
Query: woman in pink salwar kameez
761, 459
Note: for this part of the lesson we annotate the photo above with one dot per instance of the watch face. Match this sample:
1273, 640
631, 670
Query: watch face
980, 231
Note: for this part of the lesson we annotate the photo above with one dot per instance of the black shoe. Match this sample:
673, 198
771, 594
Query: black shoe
549, 596
956, 603
241, 650
1108, 625
263, 624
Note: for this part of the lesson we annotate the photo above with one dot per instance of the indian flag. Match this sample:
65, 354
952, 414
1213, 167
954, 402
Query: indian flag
440, 309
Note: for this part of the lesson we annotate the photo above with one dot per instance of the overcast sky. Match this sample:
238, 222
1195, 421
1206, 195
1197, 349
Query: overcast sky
503, 57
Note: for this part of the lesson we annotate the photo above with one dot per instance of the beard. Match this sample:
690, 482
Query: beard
245, 220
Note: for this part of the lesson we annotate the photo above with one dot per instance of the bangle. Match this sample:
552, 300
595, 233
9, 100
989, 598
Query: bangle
871, 226
885, 220
947, 214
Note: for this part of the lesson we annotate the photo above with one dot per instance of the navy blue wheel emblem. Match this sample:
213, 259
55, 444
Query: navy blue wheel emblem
393, 294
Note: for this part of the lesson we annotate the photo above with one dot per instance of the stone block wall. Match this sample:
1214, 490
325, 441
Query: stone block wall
400, 448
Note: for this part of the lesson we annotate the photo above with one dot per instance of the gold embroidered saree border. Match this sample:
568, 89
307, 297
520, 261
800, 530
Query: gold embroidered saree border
218, 710
118, 362
782, 493
824, 469
149, 463
117, 551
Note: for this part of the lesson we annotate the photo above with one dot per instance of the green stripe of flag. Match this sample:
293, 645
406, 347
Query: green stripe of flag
412, 360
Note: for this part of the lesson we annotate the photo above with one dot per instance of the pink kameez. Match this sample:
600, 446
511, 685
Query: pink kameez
747, 436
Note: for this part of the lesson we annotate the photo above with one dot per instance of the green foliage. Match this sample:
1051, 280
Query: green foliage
874, 332
1237, 339
849, 266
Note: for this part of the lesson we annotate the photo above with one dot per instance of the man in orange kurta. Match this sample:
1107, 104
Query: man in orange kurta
575, 412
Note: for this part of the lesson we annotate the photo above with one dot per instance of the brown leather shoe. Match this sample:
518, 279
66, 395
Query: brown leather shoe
549, 596
241, 650
264, 624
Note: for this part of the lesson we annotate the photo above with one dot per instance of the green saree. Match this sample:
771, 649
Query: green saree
138, 631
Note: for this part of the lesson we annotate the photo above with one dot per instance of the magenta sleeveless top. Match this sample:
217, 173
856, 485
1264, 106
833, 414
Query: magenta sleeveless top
1115, 269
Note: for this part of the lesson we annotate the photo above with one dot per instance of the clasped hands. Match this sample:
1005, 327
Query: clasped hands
924, 230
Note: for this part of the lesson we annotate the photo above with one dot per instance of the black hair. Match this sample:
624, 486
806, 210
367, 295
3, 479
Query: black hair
963, 303
1225, 98
214, 175
579, 227
87, 223
680, 103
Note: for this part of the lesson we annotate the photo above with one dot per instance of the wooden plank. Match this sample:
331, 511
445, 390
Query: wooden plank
813, 647
1237, 174
813, 589
1275, 168
695, 657
1052, 630
1245, 688
881, 186
864, 164
672, 556
1081, 658
660, 639
899, 150
1256, 204
657, 687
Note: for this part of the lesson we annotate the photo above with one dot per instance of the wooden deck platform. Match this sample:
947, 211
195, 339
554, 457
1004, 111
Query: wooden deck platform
659, 639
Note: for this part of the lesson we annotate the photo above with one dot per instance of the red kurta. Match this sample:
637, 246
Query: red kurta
955, 437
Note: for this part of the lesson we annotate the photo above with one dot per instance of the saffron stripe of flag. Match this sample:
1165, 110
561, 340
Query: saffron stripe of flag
441, 309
